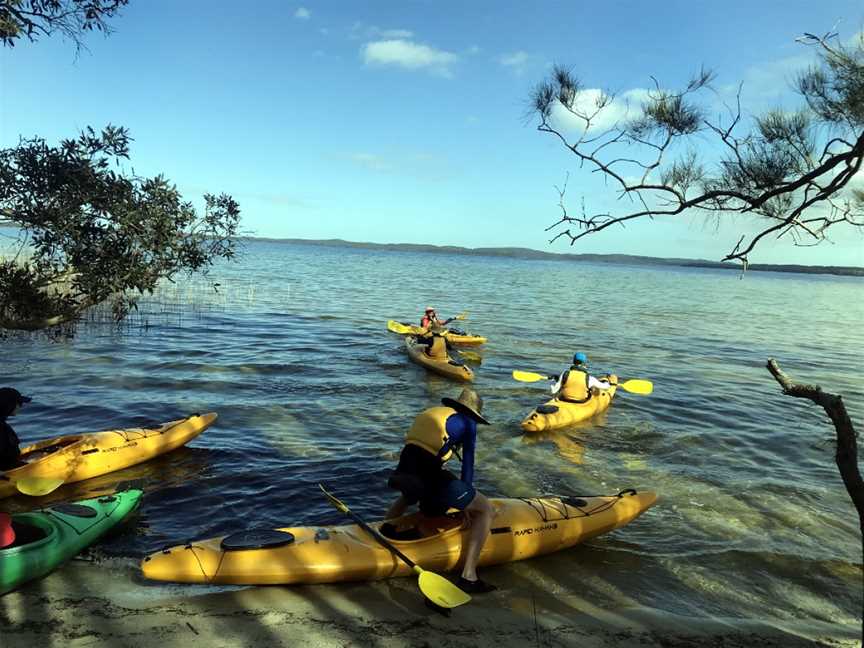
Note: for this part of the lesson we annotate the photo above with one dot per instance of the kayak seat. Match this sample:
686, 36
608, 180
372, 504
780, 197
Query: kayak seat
256, 539
26, 534
75, 510
390, 530
434, 525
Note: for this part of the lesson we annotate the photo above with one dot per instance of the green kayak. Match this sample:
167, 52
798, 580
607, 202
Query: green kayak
47, 538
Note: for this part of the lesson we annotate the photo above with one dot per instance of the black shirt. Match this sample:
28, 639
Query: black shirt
9, 450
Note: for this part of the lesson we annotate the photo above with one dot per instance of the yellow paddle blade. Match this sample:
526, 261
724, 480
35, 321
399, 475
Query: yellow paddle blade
528, 376
637, 386
461, 316
439, 590
471, 356
398, 327
38, 486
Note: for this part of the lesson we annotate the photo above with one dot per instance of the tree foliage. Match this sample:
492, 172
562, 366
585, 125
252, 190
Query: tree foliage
790, 171
34, 18
88, 232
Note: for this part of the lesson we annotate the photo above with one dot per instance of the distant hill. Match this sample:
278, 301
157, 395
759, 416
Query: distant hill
527, 253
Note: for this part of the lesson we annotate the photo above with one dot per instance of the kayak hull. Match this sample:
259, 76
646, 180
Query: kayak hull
74, 458
567, 414
521, 528
448, 368
57, 535
459, 339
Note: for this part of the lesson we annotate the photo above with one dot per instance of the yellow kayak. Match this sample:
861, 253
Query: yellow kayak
521, 528
555, 413
453, 337
77, 457
450, 368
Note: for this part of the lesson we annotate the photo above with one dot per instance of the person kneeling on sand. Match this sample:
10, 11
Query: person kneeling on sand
11, 401
432, 440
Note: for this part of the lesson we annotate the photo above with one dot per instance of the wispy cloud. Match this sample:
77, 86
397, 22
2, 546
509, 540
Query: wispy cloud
425, 166
369, 161
362, 31
302, 14
518, 61
410, 55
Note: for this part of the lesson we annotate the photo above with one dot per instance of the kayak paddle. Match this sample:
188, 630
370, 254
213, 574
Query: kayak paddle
635, 385
7, 533
38, 486
435, 587
398, 327
470, 356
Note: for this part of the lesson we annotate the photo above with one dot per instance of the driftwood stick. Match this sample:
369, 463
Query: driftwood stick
846, 455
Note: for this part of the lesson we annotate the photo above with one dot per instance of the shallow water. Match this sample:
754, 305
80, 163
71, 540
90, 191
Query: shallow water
293, 354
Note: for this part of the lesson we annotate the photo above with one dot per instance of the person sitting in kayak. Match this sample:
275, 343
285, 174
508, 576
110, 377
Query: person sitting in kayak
576, 385
11, 401
430, 318
436, 344
432, 440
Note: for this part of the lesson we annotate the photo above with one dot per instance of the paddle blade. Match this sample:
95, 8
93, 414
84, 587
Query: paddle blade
470, 356
637, 386
461, 316
335, 501
38, 486
441, 591
7, 533
395, 327
528, 376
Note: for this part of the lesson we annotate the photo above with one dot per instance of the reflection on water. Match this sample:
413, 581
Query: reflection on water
293, 353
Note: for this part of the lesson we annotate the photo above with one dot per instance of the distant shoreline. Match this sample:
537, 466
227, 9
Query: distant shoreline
527, 253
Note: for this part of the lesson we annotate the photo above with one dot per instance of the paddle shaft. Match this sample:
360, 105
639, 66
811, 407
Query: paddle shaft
380, 538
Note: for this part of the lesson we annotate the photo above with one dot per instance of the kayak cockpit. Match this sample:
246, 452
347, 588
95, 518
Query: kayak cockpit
43, 449
29, 533
417, 526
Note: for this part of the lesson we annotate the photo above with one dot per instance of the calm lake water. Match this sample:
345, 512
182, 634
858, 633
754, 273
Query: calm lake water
292, 352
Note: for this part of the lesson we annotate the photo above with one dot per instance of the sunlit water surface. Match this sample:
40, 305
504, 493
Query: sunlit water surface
292, 352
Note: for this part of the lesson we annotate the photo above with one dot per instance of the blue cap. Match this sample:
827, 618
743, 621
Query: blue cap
580, 358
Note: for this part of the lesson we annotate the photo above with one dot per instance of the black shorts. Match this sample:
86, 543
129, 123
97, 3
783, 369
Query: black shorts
421, 478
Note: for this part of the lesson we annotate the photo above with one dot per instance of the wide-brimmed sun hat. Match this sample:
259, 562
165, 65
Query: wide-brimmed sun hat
429, 309
10, 399
469, 402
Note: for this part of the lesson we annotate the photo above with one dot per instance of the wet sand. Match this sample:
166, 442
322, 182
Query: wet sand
73, 608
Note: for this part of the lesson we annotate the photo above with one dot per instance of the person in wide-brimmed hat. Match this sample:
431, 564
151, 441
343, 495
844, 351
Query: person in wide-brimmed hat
10, 401
435, 436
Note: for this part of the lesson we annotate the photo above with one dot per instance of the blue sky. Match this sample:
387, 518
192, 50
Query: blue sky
405, 121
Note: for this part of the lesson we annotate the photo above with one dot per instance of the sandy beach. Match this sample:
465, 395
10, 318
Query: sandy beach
70, 609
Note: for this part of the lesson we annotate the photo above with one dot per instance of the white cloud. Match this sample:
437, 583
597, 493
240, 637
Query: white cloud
516, 61
302, 14
625, 106
410, 55
425, 166
362, 31
395, 33
368, 160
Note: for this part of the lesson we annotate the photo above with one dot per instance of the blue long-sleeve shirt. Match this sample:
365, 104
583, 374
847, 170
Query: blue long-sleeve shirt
461, 430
